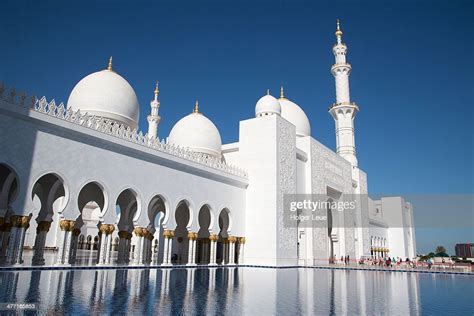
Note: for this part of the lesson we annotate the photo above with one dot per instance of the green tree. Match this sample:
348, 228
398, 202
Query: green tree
440, 249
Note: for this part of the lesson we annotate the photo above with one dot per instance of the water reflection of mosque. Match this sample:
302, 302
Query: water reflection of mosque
214, 290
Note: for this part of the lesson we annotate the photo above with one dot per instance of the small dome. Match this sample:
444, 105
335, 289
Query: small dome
108, 95
291, 112
198, 133
267, 105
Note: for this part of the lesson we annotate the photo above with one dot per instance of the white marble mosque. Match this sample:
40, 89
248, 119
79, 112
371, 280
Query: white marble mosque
81, 179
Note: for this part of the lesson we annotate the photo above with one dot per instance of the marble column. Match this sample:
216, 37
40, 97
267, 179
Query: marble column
142, 246
108, 253
128, 248
103, 243
192, 249
213, 238
63, 241
138, 245
74, 245
241, 241
149, 247
17, 238
167, 249
232, 241
5, 230
225, 251
170, 249
68, 246
122, 247
40, 241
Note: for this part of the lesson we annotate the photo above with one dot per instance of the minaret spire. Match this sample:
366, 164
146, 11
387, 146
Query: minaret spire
343, 110
338, 32
196, 107
156, 91
110, 64
282, 92
154, 119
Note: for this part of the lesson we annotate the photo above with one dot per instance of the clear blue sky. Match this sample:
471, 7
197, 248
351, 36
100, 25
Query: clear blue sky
412, 72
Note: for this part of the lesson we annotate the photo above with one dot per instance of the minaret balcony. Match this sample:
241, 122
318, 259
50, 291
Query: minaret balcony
341, 68
335, 106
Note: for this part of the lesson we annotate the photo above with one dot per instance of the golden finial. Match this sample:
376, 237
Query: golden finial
282, 92
268, 91
196, 107
110, 64
156, 89
338, 31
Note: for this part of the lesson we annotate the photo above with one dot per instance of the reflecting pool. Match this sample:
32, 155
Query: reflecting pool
235, 290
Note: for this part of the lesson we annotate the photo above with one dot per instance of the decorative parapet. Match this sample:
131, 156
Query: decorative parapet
114, 129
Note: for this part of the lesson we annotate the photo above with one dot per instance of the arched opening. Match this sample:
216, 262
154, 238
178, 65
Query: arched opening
222, 254
91, 203
179, 252
8, 188
49, 198
203, 250
126, 207
156, 216
8, 192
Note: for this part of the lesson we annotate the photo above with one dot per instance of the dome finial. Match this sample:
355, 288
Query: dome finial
268, 91
282, 92
338, 30
196, 107
110, 64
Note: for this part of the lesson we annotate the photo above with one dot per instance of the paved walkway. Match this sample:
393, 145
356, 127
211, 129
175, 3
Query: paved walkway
87, 261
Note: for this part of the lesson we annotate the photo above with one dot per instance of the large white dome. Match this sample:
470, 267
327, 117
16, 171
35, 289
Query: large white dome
108, 95
198, 133
291, 112
267, 105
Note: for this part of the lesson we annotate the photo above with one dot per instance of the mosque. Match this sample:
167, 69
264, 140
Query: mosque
82, 181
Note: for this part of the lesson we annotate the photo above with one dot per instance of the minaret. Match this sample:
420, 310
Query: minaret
154, 118
343, 111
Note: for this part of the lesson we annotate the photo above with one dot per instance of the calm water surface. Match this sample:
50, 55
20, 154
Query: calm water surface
248, 291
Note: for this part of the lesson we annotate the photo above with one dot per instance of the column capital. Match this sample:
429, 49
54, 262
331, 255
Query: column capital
241, 240
103, 228
123, 234
213, 237
66, 225
192, 236
138, 231
110, 229
71, 226
232, 239
20, 221
43, 226
168, 233
76, 232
